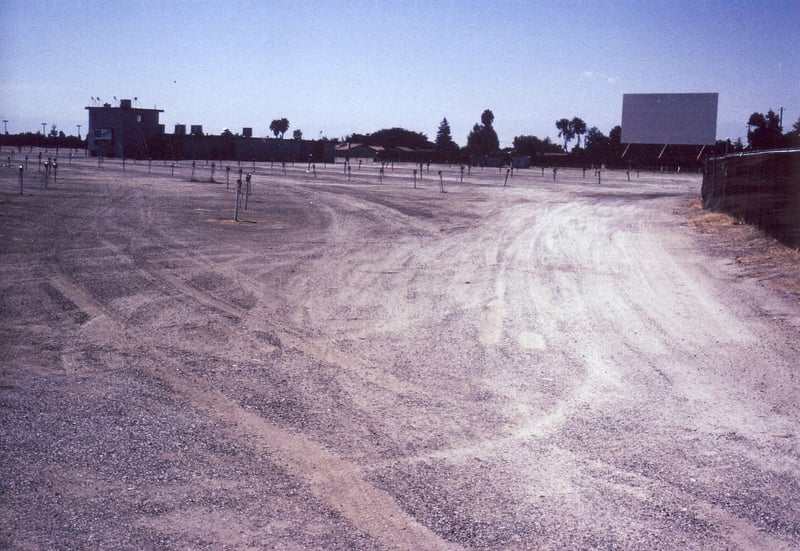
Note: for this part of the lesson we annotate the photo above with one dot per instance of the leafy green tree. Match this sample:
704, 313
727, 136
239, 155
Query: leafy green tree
793, 137
393, 137
279, 127
764, 131
594, 138
483, 140
297, 134
444, 140
597, 146
616, 136
533, 146
601, 149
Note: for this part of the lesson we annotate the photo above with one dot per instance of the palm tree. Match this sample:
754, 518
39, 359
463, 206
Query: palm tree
279, 126
578, 128
565, 131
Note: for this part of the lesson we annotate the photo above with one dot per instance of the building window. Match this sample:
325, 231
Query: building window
138, 118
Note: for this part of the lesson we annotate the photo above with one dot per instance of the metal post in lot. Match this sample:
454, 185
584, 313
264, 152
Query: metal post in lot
415, 178
441, 182
20, 179
508, 171
238, 194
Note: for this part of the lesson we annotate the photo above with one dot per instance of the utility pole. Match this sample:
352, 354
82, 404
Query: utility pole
79, 131
780, 120
5, 126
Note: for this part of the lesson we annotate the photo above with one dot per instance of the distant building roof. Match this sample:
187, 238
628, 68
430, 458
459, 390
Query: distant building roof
347, 146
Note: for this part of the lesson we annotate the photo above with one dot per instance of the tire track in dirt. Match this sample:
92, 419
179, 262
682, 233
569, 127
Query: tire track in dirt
256, 320
335, 481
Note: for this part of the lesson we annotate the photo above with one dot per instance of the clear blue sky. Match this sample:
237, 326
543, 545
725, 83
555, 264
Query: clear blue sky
340, 67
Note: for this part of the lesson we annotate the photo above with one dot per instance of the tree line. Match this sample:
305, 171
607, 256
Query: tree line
55, 138
764, 131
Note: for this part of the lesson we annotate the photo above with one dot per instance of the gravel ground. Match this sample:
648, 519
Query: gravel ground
358, 364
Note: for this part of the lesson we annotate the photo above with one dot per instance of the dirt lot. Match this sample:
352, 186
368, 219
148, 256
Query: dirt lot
358, 364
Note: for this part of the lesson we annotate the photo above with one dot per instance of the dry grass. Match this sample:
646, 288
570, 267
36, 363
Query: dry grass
761, 257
